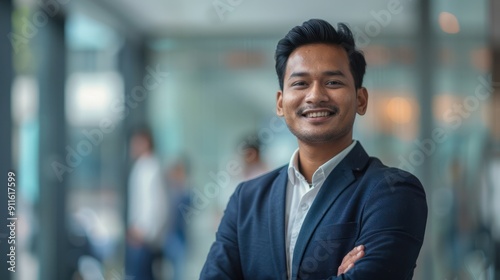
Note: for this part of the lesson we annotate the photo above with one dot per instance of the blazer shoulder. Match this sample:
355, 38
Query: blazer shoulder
264, 179
259, 188
377, 171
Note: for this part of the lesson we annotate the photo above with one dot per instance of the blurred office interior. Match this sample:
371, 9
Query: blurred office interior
78, 76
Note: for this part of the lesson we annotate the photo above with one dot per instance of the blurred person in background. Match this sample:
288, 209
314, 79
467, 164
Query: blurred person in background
147, 207
253, 165
175, 246
333, 212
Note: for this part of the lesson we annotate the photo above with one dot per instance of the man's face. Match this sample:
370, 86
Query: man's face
319, 100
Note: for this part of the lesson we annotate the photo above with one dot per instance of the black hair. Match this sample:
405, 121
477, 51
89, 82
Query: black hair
316, 31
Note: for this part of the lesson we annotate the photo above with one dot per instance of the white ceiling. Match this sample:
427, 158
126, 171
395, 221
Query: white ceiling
160, 18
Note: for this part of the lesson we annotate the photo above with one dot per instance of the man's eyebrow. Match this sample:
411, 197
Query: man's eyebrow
298, 74
325, 73
334, 73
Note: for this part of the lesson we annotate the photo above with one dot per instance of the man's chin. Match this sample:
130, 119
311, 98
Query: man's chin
315, 138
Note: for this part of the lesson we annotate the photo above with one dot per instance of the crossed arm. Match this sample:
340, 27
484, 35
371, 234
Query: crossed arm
392, 233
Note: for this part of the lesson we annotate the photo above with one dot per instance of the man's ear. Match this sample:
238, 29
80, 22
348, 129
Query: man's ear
362, 100
279, 103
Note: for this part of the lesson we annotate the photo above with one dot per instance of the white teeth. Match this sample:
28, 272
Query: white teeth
317, 114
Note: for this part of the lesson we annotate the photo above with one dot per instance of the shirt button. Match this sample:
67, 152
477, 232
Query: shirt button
304, 207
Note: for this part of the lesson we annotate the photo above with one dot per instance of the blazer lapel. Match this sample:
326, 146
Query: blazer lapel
338, 180
276, 220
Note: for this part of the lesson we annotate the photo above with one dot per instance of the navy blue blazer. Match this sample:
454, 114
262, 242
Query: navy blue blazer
361, 202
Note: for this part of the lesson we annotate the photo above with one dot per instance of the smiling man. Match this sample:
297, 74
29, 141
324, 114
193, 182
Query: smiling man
333, 212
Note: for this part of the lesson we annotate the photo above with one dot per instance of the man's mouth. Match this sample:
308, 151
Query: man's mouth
318, 114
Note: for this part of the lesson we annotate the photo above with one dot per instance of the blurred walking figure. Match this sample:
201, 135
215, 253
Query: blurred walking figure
253, 165
147, 209
175, 246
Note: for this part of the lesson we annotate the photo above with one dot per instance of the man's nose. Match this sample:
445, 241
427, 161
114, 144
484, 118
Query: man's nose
317, 94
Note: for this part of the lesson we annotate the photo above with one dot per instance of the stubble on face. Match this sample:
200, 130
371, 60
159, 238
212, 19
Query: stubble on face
331, 135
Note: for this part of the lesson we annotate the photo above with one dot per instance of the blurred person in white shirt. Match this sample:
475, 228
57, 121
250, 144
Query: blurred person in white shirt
147, 207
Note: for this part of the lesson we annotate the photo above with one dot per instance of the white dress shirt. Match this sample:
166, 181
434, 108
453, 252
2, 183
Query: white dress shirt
300, 196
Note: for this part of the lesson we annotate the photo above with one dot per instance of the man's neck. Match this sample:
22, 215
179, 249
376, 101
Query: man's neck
312, 156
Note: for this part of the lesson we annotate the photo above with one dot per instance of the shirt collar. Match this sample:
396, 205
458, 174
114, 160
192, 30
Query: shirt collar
323, 171
293, 167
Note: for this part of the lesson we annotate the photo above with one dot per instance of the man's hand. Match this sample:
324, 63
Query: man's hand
349, 260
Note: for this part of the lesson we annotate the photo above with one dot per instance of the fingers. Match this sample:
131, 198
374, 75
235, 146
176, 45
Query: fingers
353, 256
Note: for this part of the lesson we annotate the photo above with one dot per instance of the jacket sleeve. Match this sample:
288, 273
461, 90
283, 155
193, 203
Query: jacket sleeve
392, 229
223, 260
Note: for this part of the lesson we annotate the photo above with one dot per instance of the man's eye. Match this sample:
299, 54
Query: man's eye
299, 83
334, 83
